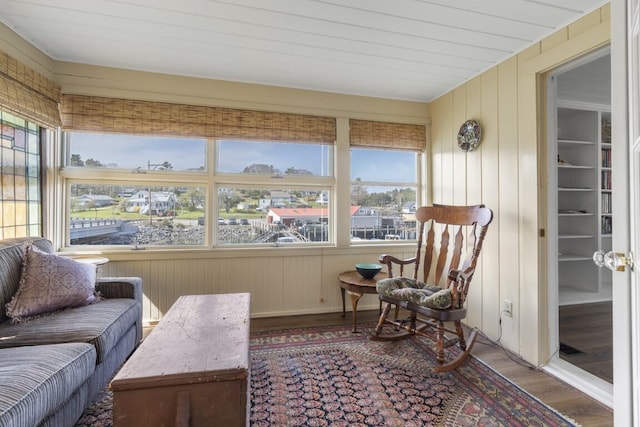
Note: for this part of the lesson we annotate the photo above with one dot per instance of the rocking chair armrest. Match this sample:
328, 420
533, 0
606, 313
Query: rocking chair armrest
465, 275
459, 290
390, 259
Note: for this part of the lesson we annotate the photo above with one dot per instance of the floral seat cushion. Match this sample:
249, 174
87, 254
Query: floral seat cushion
415, 291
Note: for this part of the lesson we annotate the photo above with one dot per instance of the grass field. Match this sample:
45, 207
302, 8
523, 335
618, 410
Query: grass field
110, 212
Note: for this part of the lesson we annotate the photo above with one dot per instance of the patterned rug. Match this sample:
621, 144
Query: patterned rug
331, 377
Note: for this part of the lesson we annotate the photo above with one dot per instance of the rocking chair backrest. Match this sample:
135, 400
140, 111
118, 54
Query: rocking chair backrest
441, 230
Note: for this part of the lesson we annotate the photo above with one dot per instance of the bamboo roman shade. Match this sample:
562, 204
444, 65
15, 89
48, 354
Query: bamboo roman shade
365, 133
90, 113
27, 93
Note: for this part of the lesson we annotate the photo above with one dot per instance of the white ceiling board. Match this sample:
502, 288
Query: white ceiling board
545, 13
401, 49
587, 83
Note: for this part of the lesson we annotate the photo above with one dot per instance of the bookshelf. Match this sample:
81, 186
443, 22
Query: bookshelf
583, 218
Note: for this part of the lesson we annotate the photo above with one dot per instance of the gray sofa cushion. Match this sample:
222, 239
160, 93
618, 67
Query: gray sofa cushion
101, 324
34, 381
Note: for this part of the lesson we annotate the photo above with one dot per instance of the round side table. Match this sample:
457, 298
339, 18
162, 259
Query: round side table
356, 286
89, 259
96, 260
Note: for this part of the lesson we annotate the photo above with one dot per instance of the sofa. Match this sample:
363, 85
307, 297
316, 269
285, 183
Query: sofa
53, 365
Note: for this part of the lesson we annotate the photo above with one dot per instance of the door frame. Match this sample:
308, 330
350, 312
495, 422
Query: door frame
588, 383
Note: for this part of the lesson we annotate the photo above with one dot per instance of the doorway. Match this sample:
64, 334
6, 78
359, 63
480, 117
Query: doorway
580, 221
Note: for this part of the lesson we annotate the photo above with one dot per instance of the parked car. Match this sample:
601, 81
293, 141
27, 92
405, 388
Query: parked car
201, 220
244, 221
220, 221
232, 221
312, 227
286, 239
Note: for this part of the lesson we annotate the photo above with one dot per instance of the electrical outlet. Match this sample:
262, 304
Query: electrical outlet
507, 308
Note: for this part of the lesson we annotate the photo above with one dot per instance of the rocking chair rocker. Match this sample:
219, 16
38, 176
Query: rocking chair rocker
431, 305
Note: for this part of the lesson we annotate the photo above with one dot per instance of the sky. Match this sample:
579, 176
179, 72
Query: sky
131, 152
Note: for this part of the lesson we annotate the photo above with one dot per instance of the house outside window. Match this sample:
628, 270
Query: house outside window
20, 175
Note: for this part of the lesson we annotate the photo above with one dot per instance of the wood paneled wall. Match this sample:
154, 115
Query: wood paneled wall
507, 173
285, 281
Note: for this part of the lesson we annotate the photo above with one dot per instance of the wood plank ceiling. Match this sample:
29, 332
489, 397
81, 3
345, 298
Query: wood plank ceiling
400, 49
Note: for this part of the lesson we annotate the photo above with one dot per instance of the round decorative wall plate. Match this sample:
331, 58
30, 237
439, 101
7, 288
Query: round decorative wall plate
469, 135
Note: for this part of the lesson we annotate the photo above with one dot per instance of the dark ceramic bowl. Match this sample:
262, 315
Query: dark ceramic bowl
368, 271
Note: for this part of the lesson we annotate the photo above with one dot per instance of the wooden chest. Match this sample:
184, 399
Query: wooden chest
192, 369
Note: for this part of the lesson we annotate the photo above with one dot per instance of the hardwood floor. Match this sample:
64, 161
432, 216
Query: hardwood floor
587, 329
555, 393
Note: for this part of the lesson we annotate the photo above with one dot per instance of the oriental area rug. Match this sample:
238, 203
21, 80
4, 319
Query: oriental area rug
331, 377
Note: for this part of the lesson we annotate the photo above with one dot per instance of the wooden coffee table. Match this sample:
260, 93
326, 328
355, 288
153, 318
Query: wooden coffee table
192, 369
356, 286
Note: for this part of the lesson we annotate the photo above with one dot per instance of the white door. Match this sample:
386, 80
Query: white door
625, 36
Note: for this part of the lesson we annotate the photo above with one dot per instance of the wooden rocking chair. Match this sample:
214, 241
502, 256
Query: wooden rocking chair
431, 306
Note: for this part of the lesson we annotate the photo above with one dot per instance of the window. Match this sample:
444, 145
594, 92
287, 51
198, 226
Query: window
255, 215
385, 179
156, 191
135, 215
20, 193
291, 208
384, 194
135, 190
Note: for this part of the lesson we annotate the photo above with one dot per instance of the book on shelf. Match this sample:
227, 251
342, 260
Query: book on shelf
606, 131
605, 177
606, 157
606, 203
